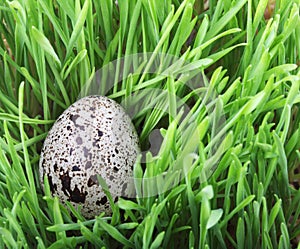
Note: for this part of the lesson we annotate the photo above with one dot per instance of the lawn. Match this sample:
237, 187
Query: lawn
212, 88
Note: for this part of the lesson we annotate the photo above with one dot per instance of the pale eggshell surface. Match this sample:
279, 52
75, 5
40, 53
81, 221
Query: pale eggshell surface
94, 136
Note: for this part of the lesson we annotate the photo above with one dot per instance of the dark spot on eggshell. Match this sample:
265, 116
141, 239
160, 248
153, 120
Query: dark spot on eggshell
59, 119
77, 196
92, 181
88, 165
53, 187
66, 183
71, 151
55, 167
43, 161
86, 153
94, 136
100, 133
75, 168
79, 140
96, 142
103, 200
74, 117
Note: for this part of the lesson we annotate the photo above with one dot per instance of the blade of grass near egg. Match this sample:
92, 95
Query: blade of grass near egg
152, 171
217, 56
164, 36
24, 137
77, 28
105, 189
14, 156
226, 159
169, 229
130, 205
91, 237
138, 176
194, 53
251, 105
7, 76
75, 212
282, 160
270, 170
168, 181
284, 123
58, 218
293, 142
184, 29
39, 57
172, 99
158, 240
128, 88
230, 91
285, 237
264, 220
239, 207
50, 14
188, 167
241, 233
29, 219
150, 222
71, 63
280, 70
69, 226
241, 185
211, 163
8, 237
114, 233
205, 213
193, 134
201, 33
221, 23
132, 30
159, 106
290, 24
273, 214
45, 44
169, 141
58, 82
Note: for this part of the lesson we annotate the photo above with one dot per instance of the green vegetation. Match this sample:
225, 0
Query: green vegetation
249, 199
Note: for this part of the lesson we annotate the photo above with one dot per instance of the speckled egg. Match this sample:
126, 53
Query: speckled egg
94, 136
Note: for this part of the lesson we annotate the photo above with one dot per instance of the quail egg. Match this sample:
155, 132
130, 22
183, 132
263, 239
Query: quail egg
92, 137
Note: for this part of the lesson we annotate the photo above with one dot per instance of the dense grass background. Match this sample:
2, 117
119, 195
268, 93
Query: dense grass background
50, 49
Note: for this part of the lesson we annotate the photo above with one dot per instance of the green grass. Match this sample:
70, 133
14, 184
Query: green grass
239, 163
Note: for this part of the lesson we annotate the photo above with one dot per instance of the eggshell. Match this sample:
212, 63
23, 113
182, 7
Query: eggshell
94, 136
